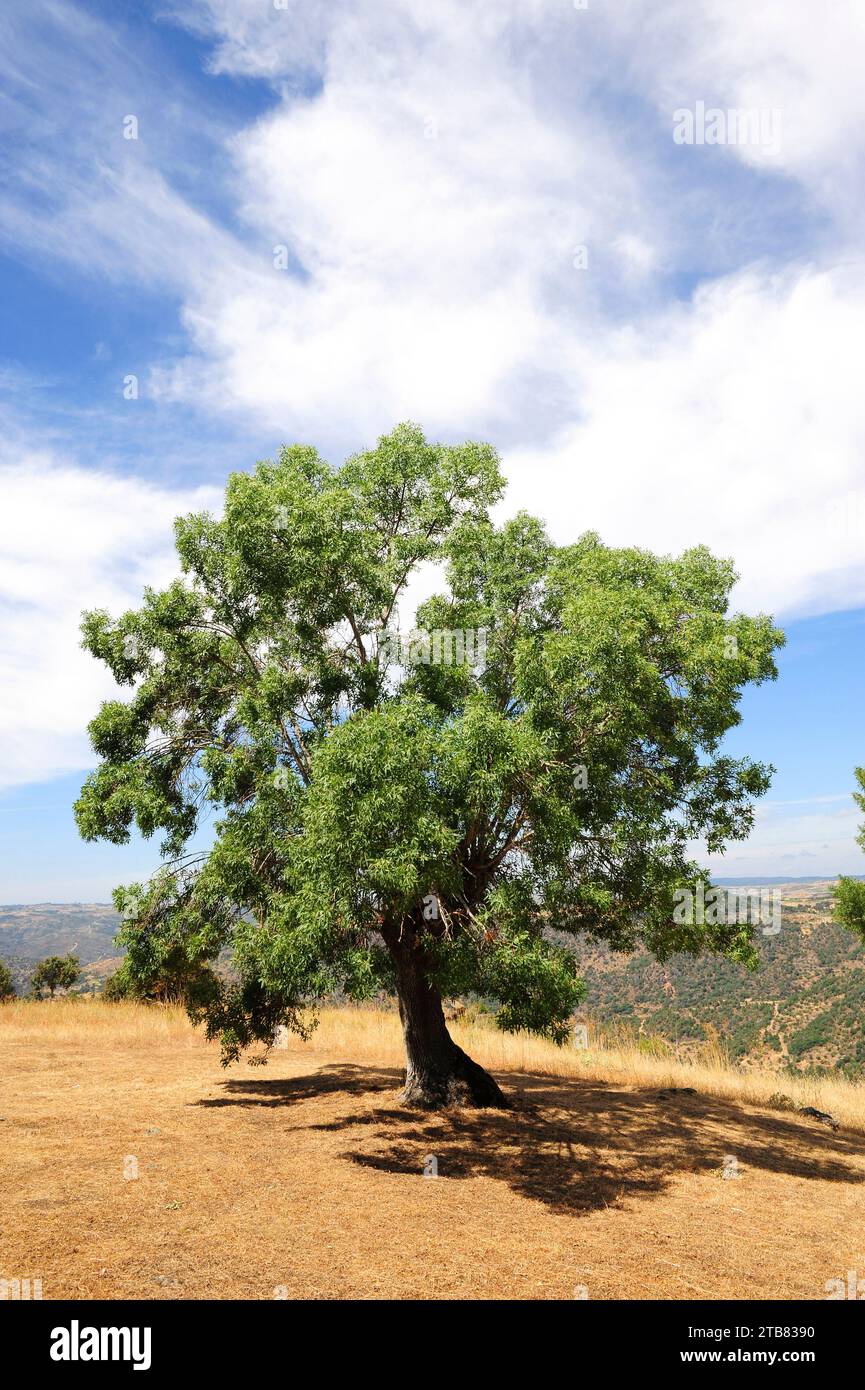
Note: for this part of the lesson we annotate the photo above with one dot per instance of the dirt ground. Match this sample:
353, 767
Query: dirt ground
305, 1179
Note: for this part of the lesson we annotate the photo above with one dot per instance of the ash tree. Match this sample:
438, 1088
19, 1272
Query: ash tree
430, 827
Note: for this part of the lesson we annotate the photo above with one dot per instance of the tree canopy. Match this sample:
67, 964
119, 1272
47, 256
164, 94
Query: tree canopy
7, 985
53, 973
419, 825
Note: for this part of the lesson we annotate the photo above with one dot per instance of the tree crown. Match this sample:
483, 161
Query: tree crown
55, 972
7, 985
541, 756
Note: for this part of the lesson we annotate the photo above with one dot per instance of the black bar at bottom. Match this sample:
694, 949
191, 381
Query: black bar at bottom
84, 1339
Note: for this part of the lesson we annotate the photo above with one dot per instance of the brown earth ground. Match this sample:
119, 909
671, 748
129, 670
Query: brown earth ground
305, 1179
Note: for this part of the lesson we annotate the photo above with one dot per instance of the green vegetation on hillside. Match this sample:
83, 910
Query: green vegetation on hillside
804, 1005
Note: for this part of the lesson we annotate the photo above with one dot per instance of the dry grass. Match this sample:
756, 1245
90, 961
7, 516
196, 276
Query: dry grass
374, 1034
305, 1179
75, 1019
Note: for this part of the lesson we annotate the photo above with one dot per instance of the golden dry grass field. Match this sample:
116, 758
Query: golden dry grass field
305, 1178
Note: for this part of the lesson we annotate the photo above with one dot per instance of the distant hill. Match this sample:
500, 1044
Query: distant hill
30, 932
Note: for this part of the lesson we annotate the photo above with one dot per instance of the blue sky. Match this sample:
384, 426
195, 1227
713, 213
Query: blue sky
488, 227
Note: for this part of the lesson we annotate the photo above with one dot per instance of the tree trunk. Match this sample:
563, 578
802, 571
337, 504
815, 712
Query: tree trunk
438, 1073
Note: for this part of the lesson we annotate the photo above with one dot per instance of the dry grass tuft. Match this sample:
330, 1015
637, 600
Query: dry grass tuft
76, 1018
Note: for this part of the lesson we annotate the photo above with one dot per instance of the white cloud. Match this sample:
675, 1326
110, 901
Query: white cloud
810, 840
77, 192
788, 55
434, 209
73, 538
439, 279
738, 422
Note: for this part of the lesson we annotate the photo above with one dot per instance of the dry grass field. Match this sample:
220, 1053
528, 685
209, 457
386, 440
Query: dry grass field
305, 1178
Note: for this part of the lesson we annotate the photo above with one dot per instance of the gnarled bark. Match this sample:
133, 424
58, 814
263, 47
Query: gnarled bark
438, 1073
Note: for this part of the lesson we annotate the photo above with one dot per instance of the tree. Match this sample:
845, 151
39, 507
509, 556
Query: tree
416, 824
53, 973
849, 893
7, 988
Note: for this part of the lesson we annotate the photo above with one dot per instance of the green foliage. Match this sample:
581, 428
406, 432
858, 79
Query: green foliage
7, 988
118, 986
849, 893
654, 1046
53, 973
814, 1034
559, 784
173, 981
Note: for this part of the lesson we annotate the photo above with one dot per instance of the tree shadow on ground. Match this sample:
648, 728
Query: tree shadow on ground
576, 1146
347, 1080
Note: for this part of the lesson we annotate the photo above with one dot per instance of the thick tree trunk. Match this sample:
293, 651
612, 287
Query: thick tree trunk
438, 1073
